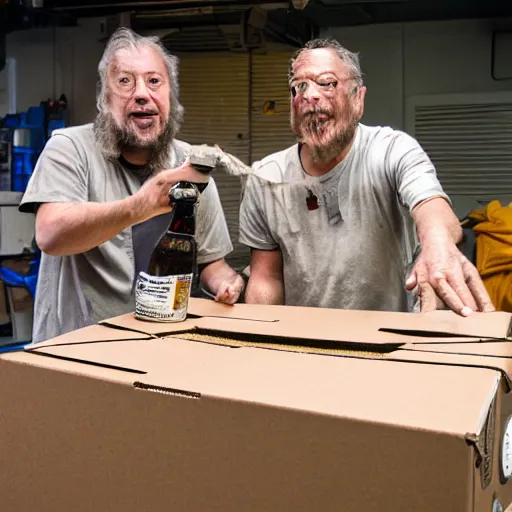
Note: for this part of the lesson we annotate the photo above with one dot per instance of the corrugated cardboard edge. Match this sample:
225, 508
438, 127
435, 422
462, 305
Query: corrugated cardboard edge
91, 334
286, 329
501, 364
321, 323
469, 353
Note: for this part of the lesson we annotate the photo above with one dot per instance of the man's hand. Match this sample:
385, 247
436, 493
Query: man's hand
221, 281
153, 197
230, 289
442, 271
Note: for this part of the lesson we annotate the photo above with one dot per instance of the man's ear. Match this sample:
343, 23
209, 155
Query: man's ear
359, 101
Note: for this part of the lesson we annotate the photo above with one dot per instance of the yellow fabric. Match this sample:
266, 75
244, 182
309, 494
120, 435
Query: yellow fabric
494, 252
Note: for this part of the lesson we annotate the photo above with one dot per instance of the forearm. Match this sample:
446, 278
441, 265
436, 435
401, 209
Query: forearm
264, 290
73, 228
436, 222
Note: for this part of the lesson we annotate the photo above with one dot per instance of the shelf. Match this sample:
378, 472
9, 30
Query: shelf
10, 198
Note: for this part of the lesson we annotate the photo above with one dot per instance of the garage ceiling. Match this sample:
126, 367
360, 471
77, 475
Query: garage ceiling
321, 12
238, 25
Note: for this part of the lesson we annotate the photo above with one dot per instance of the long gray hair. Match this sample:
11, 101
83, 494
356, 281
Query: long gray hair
123, 39
111, 138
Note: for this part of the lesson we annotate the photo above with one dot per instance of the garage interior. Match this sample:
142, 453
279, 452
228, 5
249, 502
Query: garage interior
438, 69
255, 407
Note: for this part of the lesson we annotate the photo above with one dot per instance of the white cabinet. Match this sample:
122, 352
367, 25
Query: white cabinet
16, 229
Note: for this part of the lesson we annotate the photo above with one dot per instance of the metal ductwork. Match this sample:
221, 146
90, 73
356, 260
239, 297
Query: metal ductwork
238, 28
300, 4
3, 32
2, 51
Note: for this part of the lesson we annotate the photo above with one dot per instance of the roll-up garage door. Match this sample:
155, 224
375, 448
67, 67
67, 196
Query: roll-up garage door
241, 103
270, 112
215, 94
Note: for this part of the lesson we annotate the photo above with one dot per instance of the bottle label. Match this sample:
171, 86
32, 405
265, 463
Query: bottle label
162, 298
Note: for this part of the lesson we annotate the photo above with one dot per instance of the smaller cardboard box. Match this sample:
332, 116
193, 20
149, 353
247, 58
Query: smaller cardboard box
261, 408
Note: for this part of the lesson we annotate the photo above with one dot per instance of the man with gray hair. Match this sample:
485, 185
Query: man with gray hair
343, 235
101, 194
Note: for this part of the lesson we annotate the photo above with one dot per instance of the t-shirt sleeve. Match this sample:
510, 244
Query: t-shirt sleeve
60, 175
212, 235
254, 226
412, 171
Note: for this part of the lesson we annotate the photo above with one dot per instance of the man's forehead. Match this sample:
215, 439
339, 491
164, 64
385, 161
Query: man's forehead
317, 61
143, 59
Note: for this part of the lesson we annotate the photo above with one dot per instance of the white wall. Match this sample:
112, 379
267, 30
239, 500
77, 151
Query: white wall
3, 92
399, 61
405, 60
51, 62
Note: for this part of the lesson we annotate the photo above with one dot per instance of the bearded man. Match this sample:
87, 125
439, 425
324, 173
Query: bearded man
101, 194
342, 235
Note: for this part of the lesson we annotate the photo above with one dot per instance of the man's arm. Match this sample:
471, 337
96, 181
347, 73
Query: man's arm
441, 268
434, 218
265, 284
223, 281
73, 228
63, 229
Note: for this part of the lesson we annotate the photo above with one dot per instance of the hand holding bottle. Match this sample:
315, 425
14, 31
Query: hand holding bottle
152, 199
162, 293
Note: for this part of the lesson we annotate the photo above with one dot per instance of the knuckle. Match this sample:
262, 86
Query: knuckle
443, 294
439, 277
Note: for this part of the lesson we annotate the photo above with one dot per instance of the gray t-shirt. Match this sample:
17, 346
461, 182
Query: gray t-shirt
82, 289
351, 252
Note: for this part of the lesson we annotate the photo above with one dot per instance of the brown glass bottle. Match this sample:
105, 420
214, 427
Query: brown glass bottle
162, 293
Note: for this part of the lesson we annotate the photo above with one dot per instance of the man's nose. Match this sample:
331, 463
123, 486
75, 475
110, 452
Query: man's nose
141, 93
312, 93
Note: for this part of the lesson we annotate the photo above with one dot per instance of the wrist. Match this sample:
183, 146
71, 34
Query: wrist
436, 237
135, 209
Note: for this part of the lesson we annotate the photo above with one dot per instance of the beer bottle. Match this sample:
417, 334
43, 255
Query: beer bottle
163, 292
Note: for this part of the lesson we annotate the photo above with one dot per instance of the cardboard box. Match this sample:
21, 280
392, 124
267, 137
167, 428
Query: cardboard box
260, 408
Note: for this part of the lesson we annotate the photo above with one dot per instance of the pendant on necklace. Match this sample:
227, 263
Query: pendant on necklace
311, 201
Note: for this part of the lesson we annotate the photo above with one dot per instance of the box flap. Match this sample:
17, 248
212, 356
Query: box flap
482, 325
198, 308
487, 348
129, 323
90, 334
354, 327
502, 364
436, 323
348, 326
444, 399
209, 308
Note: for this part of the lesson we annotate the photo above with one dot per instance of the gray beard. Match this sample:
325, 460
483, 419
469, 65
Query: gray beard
112, 139
326, 153
309, 129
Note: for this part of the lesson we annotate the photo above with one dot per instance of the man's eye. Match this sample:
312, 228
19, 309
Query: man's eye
124, 80
298, 88
154, 81
302, 87
328, 85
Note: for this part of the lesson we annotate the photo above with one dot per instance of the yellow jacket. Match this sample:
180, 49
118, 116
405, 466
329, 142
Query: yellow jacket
494, 252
